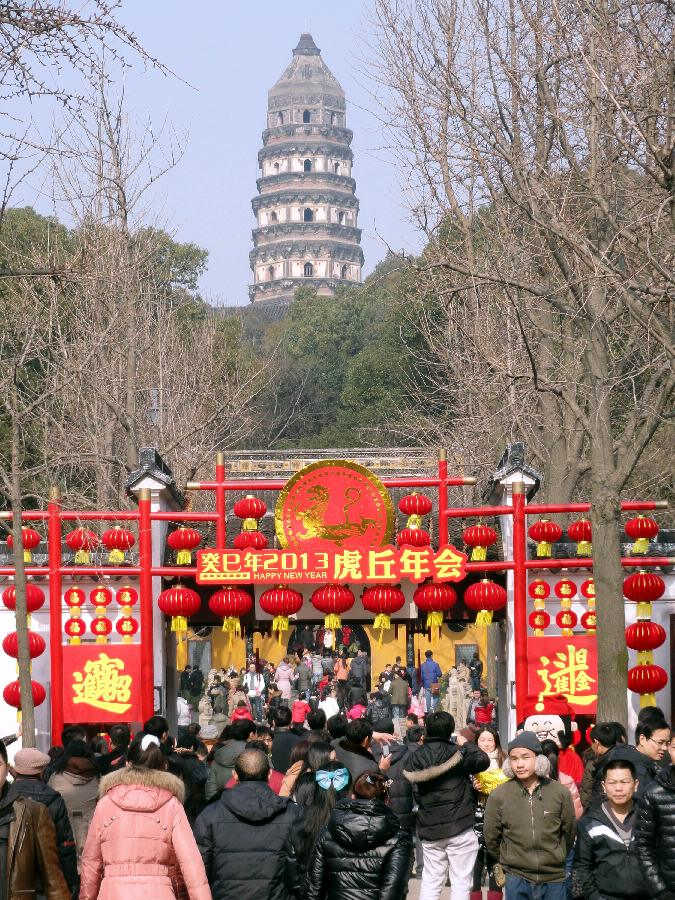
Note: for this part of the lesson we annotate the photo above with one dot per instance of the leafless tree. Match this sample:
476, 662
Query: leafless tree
538, 140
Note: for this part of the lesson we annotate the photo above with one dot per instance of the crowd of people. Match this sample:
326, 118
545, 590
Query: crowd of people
290, 802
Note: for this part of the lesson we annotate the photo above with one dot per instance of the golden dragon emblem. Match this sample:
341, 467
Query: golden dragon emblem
313, 517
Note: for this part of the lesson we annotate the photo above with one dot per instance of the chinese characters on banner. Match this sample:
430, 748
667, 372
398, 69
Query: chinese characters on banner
387, 565
102, 685
560, 665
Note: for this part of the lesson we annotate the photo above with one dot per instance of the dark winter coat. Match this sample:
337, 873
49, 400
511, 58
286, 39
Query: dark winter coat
399, 691
242, 838
36, 789
355, 758
603, 866
222, 767
360, 669
379, 710
282, 744
440, 773
363, 854
655, 834
304, 678
645, 770
401, 798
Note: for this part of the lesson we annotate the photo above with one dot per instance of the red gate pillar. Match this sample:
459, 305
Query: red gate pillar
55, 623
145, 585
519, 596
442, 498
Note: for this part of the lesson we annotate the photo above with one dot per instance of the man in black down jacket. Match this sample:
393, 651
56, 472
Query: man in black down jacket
655, 832
353, 751
241, 837
440, 773
29, 764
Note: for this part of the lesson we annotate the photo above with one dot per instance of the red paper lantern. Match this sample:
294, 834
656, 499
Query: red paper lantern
415, 505
280, 602
485, 596
539, 589
74, 597
645, 635
126, 626
566, 619
250, 540
36, 644
75, 629
126, 597
641, 530
332, 600
116, 540
479, 538
35, 597
434, 600
82, 541
231, 603
383, 600
101, 626
545, 533
250, 509
413, 537
12, 694
179, 602
30, 539
643, 587
581, 532
589, 621
587, 589
565, 589
646, 680
183, 541
100, 597
539, 620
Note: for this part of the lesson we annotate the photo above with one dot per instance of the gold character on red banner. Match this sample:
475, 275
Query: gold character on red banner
568, 673
103, 685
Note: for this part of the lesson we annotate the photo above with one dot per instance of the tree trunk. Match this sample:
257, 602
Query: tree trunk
21, 613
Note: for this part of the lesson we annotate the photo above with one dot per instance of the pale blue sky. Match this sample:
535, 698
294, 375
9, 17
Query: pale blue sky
230, 54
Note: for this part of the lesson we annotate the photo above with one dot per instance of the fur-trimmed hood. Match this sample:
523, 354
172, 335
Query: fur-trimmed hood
141, 790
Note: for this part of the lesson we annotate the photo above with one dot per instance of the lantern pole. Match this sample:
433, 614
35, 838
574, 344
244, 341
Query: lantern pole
519, 595
145, 585
221, 525
55, 623
442, 498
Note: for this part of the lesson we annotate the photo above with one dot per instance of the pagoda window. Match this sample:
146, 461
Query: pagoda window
280, 118
270, 273
341, 217
306, 117
273, 216
307, 165
308, 215
336, 168
333, 119
276, 168
343, 272
308, 270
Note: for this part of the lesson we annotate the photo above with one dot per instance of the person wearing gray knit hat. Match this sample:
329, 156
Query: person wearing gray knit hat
529, 824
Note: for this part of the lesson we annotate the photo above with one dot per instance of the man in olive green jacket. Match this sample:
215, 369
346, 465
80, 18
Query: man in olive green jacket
530, 825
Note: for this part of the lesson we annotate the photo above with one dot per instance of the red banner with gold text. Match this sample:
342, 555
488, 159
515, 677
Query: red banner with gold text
102, 683
564, 665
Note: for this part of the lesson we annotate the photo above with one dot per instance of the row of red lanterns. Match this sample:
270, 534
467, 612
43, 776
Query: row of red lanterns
641, 529
81, 541
645, 678
35, 599
566, 619
101, 626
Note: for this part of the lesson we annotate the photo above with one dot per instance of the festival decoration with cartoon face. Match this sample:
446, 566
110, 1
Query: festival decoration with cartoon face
553, 722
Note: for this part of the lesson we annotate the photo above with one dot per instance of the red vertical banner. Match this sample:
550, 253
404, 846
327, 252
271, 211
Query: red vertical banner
564, 665
102, 684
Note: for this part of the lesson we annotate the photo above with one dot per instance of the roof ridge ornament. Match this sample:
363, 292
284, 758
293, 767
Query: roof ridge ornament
306, 46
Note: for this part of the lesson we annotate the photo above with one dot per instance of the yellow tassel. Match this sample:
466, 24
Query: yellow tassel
584, 548
484, 618
183, 558
479, 554
74, 640
647, 700
331, 621
83, 557
544, 548
101, 639
280, 623
126, 639
434, 619
591, 604
414, 521
539, 603
645, 658
116, 556
179, 623
382, 621
249, 524
644, 611
565, 603
26, 556
641, 546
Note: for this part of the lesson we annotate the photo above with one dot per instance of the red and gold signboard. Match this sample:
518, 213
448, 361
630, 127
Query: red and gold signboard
560, 665
334, 504
102, 685
388, 565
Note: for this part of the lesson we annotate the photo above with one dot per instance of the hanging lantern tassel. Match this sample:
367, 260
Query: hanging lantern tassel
183, 558
382, 623
179, 623
116, 556
232, 626
83, 557
280, 624
484, 618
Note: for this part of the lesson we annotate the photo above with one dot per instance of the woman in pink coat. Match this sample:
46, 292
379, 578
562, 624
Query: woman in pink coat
285, 677
140, 844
